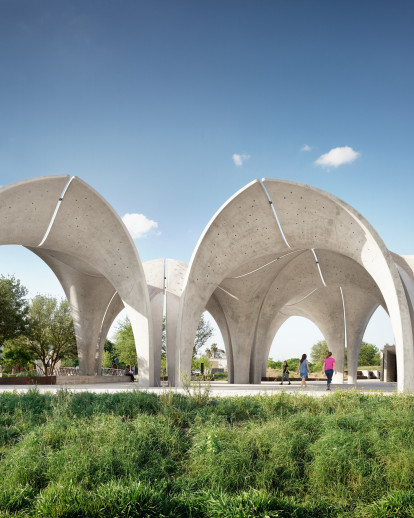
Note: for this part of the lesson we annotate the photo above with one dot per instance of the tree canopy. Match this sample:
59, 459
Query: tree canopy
319, 352
14, 309
214, 352
124, 343
52, 336
49, 336
204, 332
369, 355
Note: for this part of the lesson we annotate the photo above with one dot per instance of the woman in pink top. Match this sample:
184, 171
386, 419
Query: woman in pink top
329, 367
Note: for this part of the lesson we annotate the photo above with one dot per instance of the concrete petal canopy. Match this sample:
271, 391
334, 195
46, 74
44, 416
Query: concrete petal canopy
275, 249
79, 235
279, 248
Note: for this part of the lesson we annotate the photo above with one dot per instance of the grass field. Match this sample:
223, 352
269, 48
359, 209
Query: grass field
138, 454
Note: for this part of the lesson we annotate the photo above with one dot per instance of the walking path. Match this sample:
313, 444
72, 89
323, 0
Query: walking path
217, 388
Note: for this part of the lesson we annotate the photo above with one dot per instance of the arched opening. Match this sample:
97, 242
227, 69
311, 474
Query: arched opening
110, 356
38, 279
378, 349
212, 353
296, 336
32, 272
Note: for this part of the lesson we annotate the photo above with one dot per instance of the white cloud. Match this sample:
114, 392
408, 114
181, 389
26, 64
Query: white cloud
240, 159
337, 156
138, 224
305, 148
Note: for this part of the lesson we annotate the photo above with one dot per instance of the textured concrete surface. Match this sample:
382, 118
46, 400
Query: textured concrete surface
275, 249
93, 255
315, 256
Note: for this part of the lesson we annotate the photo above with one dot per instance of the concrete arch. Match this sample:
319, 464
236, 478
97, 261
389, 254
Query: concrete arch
78, 234
297, 290
314, 218
255, 264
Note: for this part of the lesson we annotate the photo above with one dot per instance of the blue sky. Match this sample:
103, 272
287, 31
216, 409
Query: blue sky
149, 102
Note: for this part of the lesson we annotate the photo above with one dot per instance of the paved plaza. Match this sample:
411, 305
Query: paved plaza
219, 389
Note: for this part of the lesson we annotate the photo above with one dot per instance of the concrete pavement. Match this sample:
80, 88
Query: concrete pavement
220, 389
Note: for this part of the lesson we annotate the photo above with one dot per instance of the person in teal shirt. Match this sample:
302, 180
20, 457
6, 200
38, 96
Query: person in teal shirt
303, 370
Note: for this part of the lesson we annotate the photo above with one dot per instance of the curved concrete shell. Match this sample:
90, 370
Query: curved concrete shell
279, 248
275, 249
78, 234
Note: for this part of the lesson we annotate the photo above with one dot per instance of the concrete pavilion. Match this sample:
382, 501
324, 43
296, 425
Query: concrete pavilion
275, 249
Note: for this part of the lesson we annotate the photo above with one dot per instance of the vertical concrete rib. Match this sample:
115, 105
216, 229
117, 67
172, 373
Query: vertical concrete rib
319, 267
275, 214
49, 228
343, 306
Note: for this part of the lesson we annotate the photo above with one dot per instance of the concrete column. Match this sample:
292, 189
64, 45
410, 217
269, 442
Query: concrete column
216, 311
172, 309
359, 308
89, 295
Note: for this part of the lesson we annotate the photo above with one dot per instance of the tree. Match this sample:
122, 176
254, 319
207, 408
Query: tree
368, 355
271, 364
124, 343
14, 309
196, 362
204, 332
319, 352
15, 354
109, 354
293, 364
214, 352
51, 336
106, 360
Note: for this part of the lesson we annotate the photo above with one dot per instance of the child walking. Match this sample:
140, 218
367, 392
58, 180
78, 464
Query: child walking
285, 373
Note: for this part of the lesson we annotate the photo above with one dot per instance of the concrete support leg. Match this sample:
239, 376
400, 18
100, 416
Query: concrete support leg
352, 355
172, 309
157, 307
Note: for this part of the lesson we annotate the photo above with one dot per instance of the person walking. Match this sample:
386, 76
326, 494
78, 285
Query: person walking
285, 373
329, 367
303, 370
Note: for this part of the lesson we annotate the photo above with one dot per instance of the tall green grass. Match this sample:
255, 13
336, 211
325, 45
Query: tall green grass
136, 454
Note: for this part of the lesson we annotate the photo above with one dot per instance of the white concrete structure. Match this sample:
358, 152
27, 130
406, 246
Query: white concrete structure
274, 250
78, 234
279, 248
165, 281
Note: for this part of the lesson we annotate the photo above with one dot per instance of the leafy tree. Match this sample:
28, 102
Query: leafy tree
124, 344
15, 354
106, 360
51, 336
196, 362
369, 355
109, 353
214, 352
204, 332
293, 364
69, 361
274, 365
319, 352
14, 309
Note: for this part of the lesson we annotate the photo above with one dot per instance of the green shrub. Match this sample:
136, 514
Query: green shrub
136, 454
